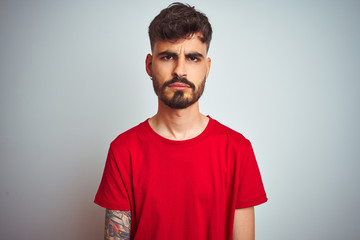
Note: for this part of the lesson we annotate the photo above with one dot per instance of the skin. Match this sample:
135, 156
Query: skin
182, 58
117, 225
244, 224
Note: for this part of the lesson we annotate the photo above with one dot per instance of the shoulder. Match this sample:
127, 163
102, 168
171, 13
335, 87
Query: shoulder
233, 137
128, 138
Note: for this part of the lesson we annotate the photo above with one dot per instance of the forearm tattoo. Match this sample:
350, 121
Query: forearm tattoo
117, 225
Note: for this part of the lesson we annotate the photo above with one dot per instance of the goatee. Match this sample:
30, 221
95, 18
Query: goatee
178, 100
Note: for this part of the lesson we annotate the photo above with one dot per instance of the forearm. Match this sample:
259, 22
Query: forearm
117, 225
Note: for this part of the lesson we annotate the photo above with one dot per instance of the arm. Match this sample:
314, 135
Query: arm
117, 225
244, 224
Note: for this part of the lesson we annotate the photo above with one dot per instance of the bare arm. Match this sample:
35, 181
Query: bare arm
117, 225
244, 224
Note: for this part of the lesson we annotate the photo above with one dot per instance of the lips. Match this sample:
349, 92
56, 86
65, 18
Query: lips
179, 85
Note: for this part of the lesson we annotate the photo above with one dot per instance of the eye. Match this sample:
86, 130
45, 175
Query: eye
168, 57
193, 59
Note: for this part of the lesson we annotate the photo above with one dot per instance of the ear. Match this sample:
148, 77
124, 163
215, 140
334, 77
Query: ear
208, 65
148, 63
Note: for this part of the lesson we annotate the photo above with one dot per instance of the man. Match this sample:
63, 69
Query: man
180, 174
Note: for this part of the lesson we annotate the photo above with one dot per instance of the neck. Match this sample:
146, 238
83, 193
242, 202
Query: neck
178, 124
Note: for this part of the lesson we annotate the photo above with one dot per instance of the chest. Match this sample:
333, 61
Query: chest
179, 173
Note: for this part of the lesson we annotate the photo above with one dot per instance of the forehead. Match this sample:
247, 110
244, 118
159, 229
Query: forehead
190, 44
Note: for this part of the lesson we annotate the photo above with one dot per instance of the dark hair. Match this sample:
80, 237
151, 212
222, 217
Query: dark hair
177, 21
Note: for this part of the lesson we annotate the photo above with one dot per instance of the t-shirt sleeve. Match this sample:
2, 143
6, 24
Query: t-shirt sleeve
251, 190
114, 189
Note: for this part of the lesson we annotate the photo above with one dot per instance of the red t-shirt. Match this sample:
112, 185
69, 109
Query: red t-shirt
181, 189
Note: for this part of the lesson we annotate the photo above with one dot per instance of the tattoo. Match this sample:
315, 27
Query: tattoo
117, 225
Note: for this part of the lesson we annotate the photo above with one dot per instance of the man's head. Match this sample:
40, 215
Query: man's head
180, 38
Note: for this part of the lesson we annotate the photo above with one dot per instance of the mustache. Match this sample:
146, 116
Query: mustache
180, 80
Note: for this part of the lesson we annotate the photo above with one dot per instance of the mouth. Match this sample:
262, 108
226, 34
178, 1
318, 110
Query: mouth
179, 86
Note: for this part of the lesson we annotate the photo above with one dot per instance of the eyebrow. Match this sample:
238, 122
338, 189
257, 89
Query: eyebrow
167, 53
192, 54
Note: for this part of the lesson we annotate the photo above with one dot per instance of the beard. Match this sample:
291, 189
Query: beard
179, 99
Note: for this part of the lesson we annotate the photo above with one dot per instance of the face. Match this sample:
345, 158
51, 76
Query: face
179, 70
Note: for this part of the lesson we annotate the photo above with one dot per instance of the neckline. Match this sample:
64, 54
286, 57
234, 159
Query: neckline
179, 142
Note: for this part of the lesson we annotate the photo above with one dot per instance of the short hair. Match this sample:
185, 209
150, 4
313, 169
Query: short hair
178, 21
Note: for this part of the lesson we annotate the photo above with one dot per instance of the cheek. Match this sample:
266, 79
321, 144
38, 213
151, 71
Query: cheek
162, 71
198, 74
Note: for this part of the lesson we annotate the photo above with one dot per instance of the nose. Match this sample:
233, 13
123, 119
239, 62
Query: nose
180, 68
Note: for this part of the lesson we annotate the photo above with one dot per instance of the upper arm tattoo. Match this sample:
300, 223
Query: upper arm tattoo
117, 225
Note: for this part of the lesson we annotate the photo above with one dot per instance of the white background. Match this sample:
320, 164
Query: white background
286, 74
